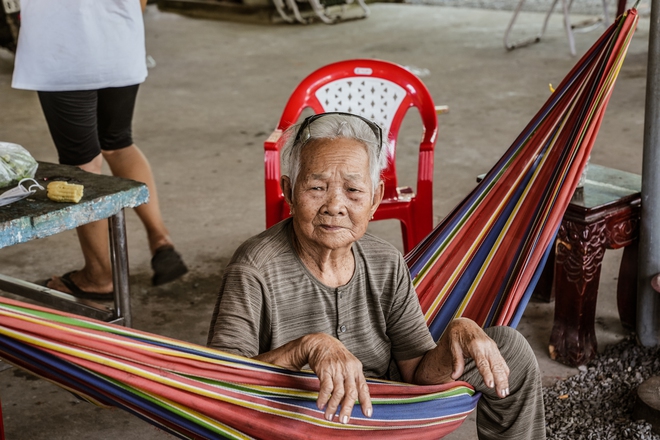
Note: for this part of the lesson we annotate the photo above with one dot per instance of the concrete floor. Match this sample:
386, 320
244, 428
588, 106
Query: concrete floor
216, 93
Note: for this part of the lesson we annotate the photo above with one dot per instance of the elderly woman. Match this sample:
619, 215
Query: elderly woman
316, 290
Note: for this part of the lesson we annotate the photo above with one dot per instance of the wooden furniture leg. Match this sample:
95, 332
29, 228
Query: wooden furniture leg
579, 254
603, 214
545, 290
626, 289
620, 7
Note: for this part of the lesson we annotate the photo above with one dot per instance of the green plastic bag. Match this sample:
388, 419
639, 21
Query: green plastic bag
16, 163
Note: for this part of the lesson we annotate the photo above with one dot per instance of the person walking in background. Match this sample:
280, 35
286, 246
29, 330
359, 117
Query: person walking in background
86, 59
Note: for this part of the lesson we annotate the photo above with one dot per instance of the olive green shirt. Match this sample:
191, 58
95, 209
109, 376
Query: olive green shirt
268, 298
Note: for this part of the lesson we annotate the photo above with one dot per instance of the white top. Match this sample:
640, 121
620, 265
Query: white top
67, 45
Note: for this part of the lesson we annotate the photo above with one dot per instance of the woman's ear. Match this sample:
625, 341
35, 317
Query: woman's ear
287, 190
378, 197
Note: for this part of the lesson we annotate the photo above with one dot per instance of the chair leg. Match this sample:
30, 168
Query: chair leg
412, 234
512, 45
366, 9
606, 15
279, 5
407, 237
296, 13
546, 20
567, 25
320, 12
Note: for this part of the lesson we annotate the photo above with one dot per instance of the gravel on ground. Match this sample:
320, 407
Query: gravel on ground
597, 403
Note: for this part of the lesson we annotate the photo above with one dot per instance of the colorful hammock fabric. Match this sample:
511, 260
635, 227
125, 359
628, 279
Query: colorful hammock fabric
485, 257
482, 261
196, 392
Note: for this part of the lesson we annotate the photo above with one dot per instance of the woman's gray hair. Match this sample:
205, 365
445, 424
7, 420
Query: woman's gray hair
333, 126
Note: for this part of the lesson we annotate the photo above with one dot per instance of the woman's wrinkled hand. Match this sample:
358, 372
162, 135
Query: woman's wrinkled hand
468, 340
342, 381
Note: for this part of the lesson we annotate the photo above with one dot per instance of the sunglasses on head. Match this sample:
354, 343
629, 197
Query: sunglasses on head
305, 125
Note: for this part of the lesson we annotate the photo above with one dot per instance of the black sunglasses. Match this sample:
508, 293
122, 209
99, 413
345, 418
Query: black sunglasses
378, 132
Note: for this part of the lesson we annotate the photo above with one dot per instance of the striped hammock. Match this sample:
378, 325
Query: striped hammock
482, 262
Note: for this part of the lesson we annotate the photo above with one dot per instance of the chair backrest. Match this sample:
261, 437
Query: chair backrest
375, 89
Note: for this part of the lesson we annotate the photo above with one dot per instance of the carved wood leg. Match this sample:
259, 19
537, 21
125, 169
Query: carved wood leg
544, 288
626, 288
579, 254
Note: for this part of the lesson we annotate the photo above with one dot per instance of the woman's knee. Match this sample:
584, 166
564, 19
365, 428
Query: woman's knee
514, 347
93, 166
117, 151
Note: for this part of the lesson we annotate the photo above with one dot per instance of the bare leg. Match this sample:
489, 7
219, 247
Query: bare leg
96, 275
130, 163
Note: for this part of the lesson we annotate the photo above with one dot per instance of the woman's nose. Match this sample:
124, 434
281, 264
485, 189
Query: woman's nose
334, 203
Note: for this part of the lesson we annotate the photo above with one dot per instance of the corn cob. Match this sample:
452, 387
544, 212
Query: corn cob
64, 192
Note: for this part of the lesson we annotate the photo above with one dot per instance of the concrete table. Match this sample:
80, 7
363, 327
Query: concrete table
604, 214
38, 217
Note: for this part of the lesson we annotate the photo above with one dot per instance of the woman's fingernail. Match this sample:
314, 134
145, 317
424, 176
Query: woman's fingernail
328, 417
344, 420
369, 412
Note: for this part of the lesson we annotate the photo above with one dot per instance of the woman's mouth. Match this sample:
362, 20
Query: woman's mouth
330, 227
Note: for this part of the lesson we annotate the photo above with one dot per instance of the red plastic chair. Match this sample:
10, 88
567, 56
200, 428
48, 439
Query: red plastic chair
383, 92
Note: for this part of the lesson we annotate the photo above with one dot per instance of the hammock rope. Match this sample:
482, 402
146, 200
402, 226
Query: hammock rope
482, 261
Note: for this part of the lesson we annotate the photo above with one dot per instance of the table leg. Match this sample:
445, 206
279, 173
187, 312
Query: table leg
119, 259
545, 290
579, 254
626, 288
2, 425
621, 7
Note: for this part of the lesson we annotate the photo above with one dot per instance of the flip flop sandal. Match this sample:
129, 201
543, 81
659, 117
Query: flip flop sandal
79, 293
167, 265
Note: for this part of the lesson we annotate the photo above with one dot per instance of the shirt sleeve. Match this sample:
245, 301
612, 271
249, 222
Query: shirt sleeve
406, 326
240, 318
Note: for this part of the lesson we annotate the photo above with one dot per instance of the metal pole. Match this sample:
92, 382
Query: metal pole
648, 300
119, 257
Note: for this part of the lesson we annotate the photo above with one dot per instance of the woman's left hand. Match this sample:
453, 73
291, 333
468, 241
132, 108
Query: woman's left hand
467, 339
462, 339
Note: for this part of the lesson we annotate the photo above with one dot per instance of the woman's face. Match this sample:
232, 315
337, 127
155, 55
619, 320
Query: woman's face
333, 199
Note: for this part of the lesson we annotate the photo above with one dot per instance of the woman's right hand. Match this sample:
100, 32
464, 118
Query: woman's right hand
340, 373
342, 381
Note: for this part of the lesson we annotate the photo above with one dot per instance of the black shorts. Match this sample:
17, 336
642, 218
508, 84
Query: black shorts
84, 122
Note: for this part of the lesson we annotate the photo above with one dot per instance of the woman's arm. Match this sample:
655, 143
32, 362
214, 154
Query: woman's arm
143, 3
